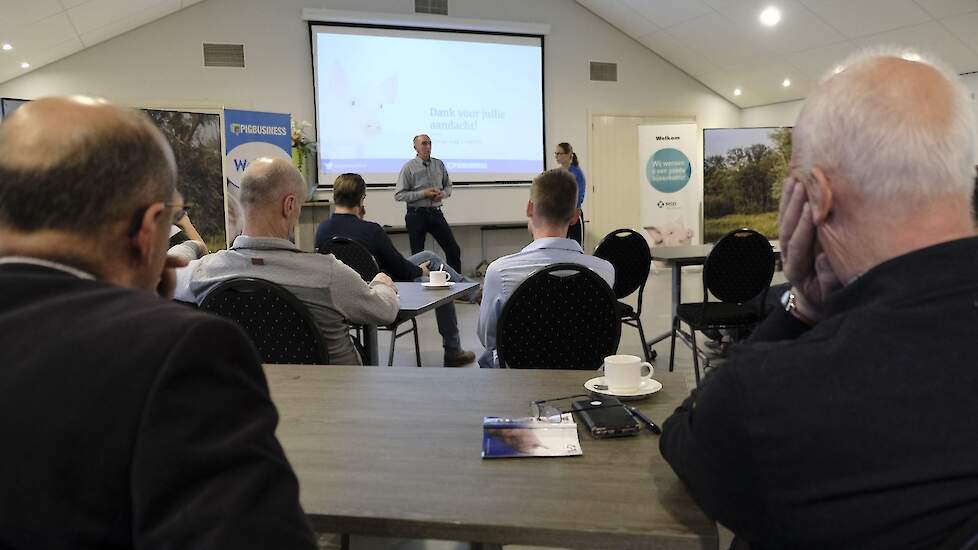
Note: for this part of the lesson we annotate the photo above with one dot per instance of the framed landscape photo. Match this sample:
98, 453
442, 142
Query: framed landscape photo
743, 170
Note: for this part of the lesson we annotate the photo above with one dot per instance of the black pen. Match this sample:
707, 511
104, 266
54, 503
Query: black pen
646, 420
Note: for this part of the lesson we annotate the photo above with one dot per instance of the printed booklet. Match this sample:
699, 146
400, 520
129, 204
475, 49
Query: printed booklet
520, 437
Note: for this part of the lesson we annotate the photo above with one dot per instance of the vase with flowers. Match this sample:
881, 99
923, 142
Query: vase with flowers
304, 154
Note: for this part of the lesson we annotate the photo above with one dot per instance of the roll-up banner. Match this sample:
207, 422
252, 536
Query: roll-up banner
671, 188
249, 135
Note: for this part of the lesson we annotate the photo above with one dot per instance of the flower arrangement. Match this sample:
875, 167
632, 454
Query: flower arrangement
303, 146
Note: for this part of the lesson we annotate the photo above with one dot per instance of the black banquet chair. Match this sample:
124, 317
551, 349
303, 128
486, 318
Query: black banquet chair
564, 316
280, 325
739, 267
357, 256
628, 252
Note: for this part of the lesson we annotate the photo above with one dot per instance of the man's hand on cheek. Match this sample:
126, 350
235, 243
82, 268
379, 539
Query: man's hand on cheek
168, 279
805, 265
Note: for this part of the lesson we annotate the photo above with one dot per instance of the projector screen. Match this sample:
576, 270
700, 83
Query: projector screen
479, 96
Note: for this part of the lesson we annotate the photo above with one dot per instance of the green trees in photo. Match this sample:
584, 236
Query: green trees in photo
196, 142
743, 187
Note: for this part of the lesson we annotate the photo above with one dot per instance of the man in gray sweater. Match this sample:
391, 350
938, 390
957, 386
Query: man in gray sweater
271, 199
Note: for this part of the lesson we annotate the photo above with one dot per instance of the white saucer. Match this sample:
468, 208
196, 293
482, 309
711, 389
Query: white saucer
429, 284
645, 389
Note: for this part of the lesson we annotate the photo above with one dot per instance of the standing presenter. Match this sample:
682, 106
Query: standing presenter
423, 184
567, 159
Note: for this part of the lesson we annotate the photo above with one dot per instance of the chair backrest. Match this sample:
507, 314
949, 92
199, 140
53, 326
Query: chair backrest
561, 317
628, 252
279, 324
739, 267
353, 254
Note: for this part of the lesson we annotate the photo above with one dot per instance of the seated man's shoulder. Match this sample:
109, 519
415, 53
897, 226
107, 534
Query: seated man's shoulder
601, 265
126, 327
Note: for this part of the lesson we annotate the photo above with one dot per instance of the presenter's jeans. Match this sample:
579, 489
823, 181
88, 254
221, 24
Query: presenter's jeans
422, 221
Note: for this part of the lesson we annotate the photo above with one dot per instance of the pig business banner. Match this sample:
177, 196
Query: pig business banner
249, 135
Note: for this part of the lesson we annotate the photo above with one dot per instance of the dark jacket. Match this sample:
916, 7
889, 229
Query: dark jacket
857, 433
130, 422
372, 236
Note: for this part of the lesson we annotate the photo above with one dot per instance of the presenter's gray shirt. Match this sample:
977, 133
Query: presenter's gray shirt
332, 291
416, 176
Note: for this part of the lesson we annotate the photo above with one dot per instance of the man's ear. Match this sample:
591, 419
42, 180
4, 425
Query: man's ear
576, 217
289, 205
820, 195
529, 209
144, 241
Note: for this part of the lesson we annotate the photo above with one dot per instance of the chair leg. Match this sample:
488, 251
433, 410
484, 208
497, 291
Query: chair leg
696, 355
417, 347
344, 541
390, 358
672, 343
641, 335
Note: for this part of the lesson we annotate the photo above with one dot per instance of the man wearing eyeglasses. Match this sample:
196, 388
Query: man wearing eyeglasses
424, 184
127, 421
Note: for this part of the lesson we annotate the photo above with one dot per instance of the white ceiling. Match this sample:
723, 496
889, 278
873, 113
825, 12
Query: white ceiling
722, 43
43, 31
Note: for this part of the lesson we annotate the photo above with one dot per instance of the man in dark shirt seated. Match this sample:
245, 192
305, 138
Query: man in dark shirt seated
848, 418
349, 192
127, 421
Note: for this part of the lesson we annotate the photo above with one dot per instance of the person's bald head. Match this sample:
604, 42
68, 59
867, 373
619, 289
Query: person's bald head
898, 131
80, 165
267, 181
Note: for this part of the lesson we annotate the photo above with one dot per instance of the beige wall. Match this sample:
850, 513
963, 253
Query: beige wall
784, 114
160, 65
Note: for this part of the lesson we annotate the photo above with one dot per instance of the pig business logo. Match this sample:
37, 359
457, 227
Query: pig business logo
668, 170
258, 129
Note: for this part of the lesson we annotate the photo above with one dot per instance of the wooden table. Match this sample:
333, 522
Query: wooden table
396, 452
415, 300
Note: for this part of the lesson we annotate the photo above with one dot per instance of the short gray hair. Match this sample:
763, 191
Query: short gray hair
266, 180
885, 150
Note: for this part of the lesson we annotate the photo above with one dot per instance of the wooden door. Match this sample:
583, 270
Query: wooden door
612, 199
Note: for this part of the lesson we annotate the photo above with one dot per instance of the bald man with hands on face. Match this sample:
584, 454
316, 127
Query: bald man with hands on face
847, 419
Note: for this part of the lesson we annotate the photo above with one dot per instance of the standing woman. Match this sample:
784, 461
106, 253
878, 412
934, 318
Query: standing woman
567, 159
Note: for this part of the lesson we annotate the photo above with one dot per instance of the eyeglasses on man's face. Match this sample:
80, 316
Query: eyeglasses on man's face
424, 142
179, 208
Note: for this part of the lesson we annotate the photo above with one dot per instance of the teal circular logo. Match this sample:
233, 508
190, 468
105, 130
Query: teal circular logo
668, 170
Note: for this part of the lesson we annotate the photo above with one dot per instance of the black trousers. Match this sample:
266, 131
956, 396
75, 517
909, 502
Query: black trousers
422, 221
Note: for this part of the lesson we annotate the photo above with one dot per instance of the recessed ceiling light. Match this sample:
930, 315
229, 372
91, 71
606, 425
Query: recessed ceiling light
737, 91
910, 56
786, 82
6, 47
771, 16
25, 65
838, 69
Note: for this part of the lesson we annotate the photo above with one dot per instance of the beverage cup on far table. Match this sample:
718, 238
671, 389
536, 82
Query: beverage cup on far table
625, 373
439, 278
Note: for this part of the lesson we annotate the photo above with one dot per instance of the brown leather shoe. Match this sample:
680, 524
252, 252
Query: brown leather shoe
458, 358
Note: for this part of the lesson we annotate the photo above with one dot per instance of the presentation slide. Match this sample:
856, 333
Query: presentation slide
479, 97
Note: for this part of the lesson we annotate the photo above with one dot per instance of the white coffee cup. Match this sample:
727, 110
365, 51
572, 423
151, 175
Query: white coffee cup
438, 277
625, 373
